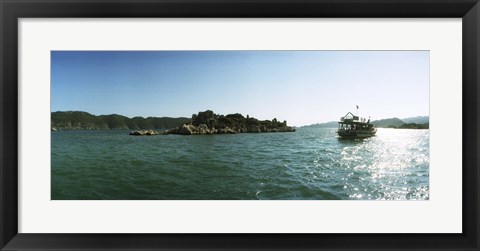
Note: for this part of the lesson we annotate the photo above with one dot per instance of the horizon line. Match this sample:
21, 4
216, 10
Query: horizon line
324, 122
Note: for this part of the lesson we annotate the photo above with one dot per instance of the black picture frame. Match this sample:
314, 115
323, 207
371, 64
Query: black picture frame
12, 10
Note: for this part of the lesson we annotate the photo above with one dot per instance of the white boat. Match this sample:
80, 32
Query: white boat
354, 127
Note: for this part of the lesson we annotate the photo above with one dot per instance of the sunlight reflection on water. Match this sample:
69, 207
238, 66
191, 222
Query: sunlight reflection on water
383, 167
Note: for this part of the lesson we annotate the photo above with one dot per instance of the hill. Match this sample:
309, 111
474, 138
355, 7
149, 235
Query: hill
414, 126
75, 120
331, 124
391, 122
417, 120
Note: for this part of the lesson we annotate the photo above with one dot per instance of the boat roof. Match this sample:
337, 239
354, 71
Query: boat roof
349, 118
353, 122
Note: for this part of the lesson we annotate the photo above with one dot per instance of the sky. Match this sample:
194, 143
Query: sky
301, 87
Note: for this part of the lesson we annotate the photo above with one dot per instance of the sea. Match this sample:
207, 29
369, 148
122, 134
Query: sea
309, 164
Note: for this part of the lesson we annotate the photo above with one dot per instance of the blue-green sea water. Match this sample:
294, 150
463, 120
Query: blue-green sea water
309, 164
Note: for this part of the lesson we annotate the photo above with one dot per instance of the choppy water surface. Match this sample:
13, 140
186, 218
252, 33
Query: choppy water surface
309, 164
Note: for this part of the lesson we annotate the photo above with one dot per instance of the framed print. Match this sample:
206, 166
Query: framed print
239, 125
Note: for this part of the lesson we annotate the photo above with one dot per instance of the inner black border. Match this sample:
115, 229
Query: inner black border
11, 10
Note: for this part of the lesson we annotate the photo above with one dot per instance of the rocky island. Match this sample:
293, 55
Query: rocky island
208, 122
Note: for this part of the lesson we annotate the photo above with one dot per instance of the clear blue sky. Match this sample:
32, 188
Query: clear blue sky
302, 87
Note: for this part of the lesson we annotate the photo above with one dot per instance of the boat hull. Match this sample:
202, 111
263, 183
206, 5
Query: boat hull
354, 134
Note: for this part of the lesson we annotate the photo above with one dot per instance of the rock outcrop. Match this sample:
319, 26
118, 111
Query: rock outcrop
208, 122
144, 133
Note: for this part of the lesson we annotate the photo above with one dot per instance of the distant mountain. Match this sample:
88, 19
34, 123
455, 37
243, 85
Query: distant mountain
71, 120
331, 124
383, 123
417, 120
392, 122
414, 126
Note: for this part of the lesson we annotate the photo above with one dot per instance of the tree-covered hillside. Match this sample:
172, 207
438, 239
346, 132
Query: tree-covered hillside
72, 120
